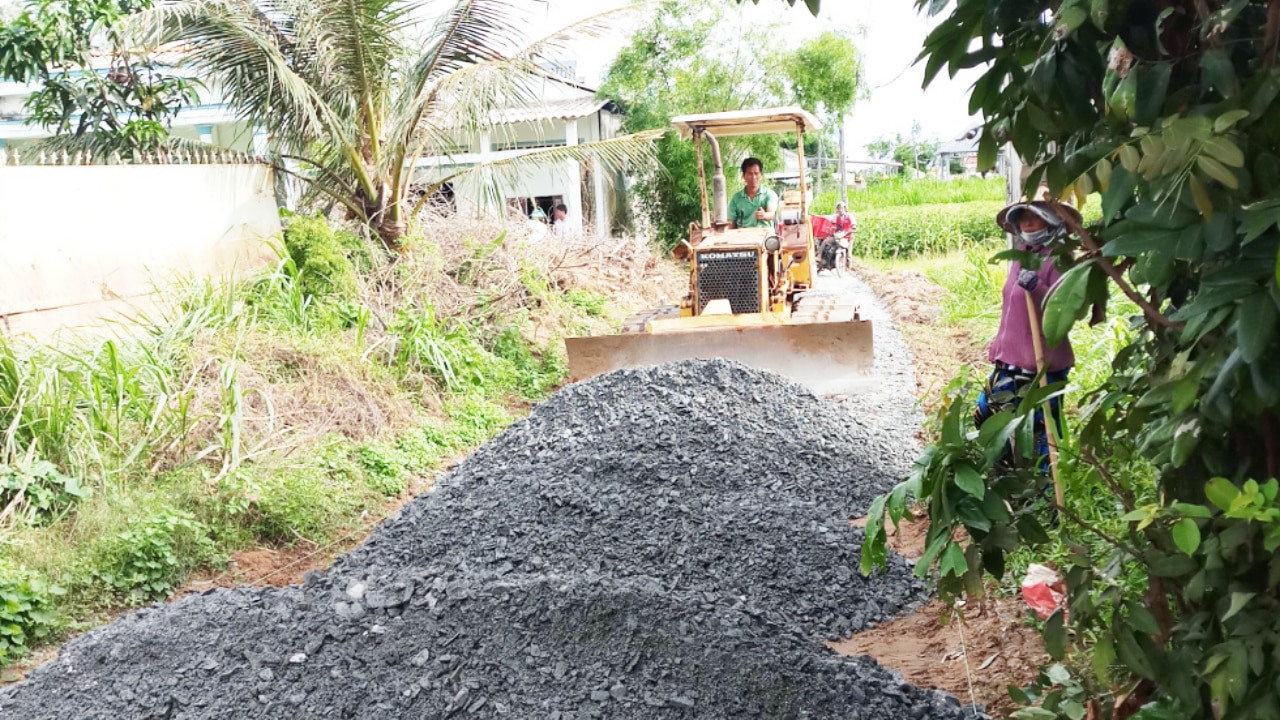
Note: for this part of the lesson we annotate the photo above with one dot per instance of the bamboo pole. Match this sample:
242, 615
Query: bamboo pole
1050, 427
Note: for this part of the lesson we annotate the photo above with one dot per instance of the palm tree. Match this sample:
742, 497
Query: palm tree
354, 92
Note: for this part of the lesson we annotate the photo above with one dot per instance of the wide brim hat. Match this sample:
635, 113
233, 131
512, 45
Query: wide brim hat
1008, 217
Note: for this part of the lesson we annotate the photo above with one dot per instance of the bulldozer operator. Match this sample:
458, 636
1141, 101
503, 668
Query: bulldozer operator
753, 205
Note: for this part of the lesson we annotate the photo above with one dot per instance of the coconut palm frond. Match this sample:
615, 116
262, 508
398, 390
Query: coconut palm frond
612, 155
356, 44
237, 46
471, 32
248, 49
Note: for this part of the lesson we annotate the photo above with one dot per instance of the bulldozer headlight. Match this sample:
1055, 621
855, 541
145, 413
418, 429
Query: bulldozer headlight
773, 243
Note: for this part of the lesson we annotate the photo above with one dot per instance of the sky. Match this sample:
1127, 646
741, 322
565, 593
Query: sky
889, 34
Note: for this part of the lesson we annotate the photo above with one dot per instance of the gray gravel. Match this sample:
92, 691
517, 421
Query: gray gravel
657, 542
890, 408
581, 647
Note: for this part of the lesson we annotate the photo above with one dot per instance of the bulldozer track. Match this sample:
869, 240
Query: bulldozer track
637, 323
824, 308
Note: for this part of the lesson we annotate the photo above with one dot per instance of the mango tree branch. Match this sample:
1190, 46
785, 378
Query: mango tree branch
1149, 311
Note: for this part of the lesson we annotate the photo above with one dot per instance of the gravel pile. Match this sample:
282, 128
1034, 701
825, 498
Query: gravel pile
586, 647
659, 542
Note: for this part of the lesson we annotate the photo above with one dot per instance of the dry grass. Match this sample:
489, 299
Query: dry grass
481, 269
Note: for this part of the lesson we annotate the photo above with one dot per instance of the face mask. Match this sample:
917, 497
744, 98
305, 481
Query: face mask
1037, 238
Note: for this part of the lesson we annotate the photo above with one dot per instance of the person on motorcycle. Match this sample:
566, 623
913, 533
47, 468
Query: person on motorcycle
843, 220
841, 237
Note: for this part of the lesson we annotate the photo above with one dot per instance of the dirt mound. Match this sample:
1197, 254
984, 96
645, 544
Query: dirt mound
911, 297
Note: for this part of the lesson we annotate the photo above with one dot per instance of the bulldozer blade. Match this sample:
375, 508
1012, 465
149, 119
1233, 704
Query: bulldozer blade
829, 358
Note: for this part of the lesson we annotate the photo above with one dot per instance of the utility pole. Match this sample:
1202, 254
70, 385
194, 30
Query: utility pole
844, 190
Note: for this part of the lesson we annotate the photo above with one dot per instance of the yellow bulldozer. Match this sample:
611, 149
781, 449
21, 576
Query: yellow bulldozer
752, 291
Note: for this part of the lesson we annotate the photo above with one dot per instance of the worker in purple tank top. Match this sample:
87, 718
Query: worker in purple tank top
1035, 227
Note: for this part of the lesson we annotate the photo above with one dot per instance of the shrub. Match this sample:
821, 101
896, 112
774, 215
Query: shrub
532, 376
423, 342
591, 303
26, 611
385, 468
148, 560
320, 257
308, 502
40, 492
912, 230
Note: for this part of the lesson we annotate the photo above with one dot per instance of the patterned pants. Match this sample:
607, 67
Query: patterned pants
1003, 392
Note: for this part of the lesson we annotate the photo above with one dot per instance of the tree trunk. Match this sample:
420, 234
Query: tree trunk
381, 220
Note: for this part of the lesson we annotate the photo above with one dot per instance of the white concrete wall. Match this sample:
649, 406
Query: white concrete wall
80, 244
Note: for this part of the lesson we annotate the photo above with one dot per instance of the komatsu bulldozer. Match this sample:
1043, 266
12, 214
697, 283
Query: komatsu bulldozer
751, 290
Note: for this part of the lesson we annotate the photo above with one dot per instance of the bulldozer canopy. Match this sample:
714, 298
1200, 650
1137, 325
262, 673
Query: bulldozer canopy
747, 122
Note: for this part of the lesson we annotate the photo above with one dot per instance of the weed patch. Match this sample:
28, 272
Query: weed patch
37, 492
27, 611
148, 560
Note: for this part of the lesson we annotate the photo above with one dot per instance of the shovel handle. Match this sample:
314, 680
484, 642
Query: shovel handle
1050, 427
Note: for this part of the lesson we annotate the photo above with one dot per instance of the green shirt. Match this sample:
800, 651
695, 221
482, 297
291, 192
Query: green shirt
742, 209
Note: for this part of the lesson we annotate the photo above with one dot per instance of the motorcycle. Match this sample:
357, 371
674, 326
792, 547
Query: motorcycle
834, 252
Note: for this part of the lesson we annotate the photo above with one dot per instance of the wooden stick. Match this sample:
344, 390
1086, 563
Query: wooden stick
1050, 427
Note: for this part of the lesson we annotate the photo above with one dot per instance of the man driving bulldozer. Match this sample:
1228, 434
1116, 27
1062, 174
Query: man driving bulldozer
753, 205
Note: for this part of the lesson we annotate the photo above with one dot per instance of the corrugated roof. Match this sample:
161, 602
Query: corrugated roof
747, 122
959, 147
570, 109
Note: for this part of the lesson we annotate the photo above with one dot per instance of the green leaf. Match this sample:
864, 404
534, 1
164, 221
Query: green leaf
931, 553
1238, 601
1031, 530
1218, 73
1186, 535
1034, 713
968, 480
1066, 304
951, 434
972, 516
1258, 218
1058, 674
1055, 636
1153, 84
1018, 695
1256, 324
1138, 242
1217, 171
1224, 151
1221, 492
1104, 654
1185, 440
987, 150
1131, 654
953, 561
874, 553
1172, 566
1191, 510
